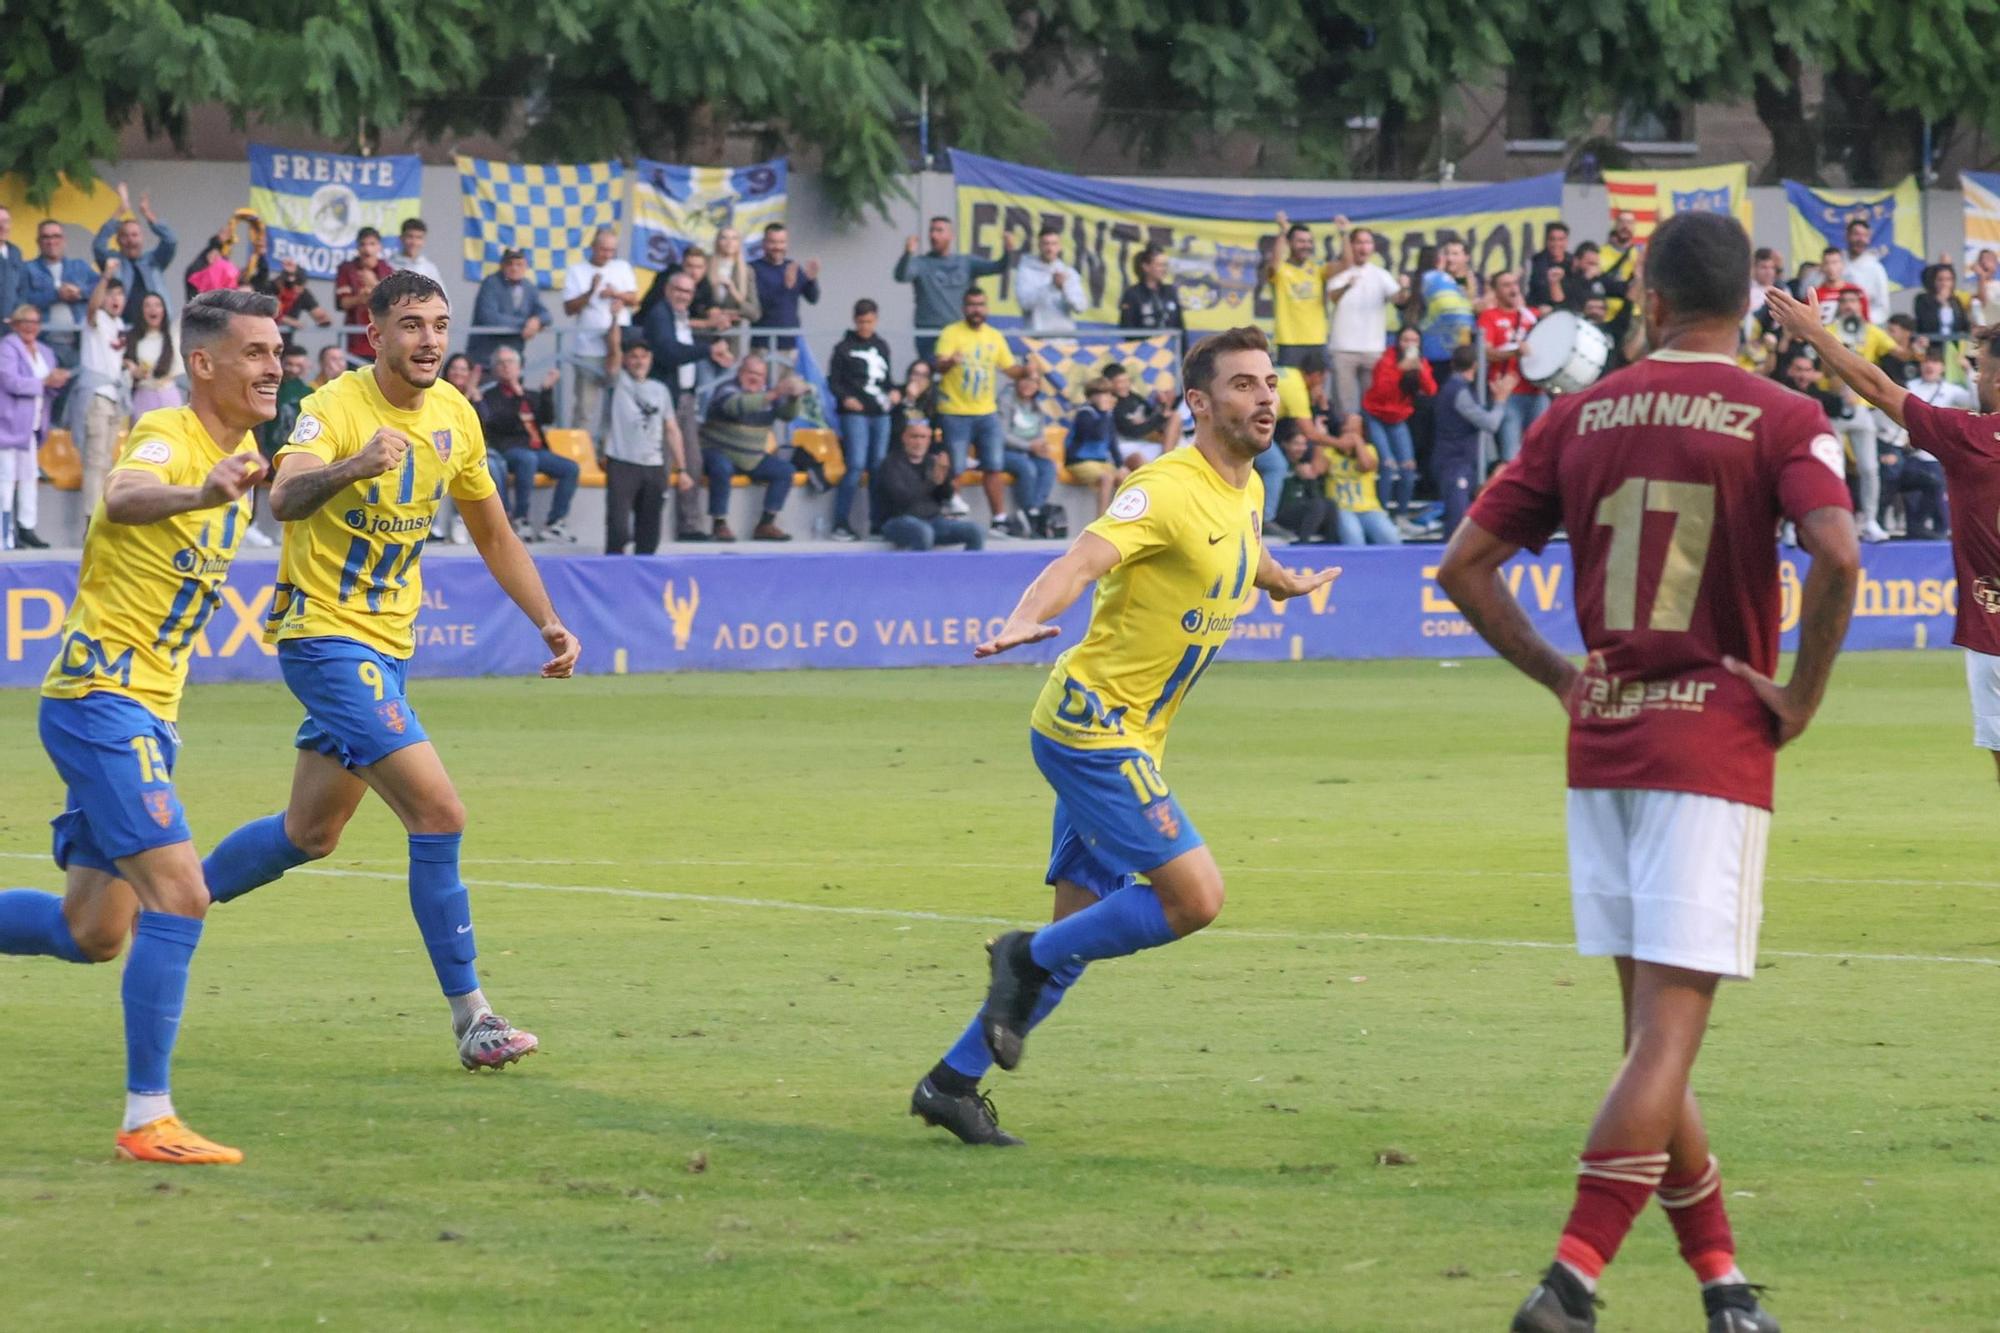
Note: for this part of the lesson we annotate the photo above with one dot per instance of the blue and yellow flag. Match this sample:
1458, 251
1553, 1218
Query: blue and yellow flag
1651, 197
548, 213
314, 203
1070, 363
674, 207
1819, 219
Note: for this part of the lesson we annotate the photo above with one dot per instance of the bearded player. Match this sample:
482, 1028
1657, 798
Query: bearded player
1173, 558
160, 544
371, 457
1968, 448
1671, 477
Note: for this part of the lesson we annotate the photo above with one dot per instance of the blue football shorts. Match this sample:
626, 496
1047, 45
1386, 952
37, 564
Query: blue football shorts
116, 758
356, 705
1115, 818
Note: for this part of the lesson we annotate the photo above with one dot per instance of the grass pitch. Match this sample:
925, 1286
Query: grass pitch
744, 913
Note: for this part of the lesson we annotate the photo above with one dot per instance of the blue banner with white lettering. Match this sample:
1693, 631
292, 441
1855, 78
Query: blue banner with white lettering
314, 203
884, 609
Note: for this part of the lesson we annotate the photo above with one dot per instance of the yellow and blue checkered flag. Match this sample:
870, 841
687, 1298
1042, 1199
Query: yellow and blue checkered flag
548, 213
1070, 363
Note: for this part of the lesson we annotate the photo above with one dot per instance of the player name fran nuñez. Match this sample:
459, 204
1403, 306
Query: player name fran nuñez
1706, 411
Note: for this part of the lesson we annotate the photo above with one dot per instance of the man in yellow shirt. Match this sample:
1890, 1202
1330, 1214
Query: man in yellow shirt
371, 458
161, 540
1351, 468
1174, 558
971, 357
1298, 292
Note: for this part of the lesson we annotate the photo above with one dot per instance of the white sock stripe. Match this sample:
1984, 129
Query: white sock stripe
1629, 1178
1645, 1159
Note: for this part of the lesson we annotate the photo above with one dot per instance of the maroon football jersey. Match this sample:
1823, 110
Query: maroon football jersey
1969, 448
1670, 477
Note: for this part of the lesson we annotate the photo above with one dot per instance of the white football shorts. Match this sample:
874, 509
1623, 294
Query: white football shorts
1982, 679
1668, 877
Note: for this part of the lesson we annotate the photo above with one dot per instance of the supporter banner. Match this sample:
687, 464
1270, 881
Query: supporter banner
1651, 197
1819, 219
86, 204
548, 213
674, 207
1216, 240
1070, 363
1982, 216
870, 609
313, 203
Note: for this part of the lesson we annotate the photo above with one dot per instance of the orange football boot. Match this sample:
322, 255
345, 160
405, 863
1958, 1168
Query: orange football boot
167, 1140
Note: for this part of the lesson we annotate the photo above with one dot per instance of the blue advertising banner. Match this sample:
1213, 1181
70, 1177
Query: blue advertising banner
885, 609
314, 203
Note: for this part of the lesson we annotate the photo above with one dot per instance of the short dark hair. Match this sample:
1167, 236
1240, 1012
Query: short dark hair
1146, 256
973, 293
635, 345
405, 284
1699, 263
1932, 352
770, 227
1859, 220
109, 283
941, 218
1901, 322
1049, 229
1762, 253
1113, 369
1584, 248
1296, 228
412, 224
207, 316
1198, 369
1831, 250
366, 233
865, 307
1287, 430
1555, 227
1314, 362
1464, 358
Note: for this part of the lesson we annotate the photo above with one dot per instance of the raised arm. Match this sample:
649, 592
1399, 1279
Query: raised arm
1053, 592
305, 483
514, 570
1863, 376
1470, 576
1826, 604
134, 496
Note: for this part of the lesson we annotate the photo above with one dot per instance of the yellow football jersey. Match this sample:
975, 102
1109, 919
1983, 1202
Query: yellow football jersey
1347, 485
349, 569
1298, 302
146, 589
972, 387
1189, 544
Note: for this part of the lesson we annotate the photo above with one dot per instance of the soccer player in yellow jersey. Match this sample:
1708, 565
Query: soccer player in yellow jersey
372, 456
1298, 292
1174, 558
159, 546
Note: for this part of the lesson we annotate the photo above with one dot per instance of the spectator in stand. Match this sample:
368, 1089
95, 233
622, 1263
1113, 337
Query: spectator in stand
1586, 281
1049, 291
332, 364
1090, 451
1622, 252
1864, 268
1447, 321
1402, 376
1942, 314
1903, 361
738, 439
58, 287
1305, 396
1025, 424
11, 263
29, 382
1855, 333
213, 270
941, 280
1352, 467
1148, 426
643, 444
152, 361
917, 397
508, 299
512, 414
677, 359
143, 270
1304, 510
410, 239
858, 373
599, 294
1915, 475
782, 283
100, 403
1984, 280
1362, 290
1151, 302
731, 284
1505, 326
353, 283
296, 304
971, 357
708, 316
292, 391
1855, 425
916, 484
1460, 420
1298, 291
1766, 265
446, 525
1832, 281
1548, 266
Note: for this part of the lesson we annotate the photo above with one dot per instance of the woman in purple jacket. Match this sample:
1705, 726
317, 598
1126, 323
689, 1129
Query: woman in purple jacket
29, 379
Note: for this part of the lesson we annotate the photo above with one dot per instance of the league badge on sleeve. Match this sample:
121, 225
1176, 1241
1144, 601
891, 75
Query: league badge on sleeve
1828, 451
306, 430
442, 439
1130, 504
153, 451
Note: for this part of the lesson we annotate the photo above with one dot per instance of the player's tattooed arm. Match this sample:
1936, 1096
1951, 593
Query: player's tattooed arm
304, 483
1470, 576
1826, 605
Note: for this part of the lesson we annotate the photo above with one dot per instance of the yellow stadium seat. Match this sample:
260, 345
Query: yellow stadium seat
575, 445
740, 481
823, 447
61, 461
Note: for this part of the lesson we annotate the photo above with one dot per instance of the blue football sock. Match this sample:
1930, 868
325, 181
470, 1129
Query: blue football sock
156, 978
249, 858
969, 1055
443, 910
1118, 924
32, 922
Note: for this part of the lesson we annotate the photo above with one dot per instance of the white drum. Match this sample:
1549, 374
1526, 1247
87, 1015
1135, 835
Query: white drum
1563, 354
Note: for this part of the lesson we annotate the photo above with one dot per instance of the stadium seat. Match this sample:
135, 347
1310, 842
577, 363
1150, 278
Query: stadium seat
974, 477
740, 481
575, 445
823, 446
61, 462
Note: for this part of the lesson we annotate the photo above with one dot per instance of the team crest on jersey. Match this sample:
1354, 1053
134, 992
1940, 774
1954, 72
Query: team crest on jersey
393, 717
160, 805
442, 439
1160, 814
1986, 592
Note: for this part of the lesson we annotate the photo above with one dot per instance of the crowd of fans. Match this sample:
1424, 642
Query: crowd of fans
1398, 392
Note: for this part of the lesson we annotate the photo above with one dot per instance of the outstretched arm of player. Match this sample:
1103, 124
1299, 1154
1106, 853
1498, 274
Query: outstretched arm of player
1826, 604
305, 483
514, 570
1470, 576
1864, 376
1053, 592
1280, 583
134, 496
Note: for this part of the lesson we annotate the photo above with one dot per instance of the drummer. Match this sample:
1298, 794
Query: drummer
1504, 326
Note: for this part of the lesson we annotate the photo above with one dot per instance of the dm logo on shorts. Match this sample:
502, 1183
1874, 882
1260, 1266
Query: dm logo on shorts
355, 518
442, 439
1160, 814
160, 805
393, 717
